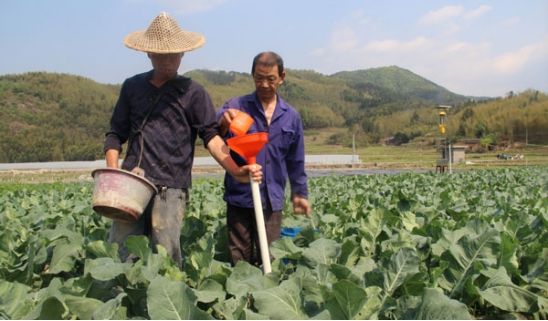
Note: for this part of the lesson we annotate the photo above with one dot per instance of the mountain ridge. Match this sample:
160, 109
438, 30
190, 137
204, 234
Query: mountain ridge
62, 117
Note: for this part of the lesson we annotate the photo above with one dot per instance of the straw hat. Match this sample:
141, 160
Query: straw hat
164, 36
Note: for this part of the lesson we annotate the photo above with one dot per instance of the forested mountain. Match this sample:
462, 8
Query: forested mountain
53, 117
343, 99
399, 81
62, 117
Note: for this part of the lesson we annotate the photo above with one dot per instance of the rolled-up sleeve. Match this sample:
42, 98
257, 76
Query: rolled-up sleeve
119, 123
202, 115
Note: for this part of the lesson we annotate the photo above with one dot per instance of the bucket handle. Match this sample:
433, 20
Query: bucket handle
138, 171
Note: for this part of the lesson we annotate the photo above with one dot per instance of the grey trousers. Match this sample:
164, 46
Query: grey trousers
161, 222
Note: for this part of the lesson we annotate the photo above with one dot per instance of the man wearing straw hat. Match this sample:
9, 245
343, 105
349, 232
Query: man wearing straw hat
160, 114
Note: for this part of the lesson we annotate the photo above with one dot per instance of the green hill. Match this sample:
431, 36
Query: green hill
402, 82
62, 117
53, 117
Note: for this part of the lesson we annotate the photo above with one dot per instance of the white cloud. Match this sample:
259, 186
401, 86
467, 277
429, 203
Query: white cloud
343, 39
468, 68
473, 69
476, 13
465, 50
449, 29
359, 17
451, 18
441, 15
465, 65
456, 47
317, 52
511, 21
512, 62
392, 45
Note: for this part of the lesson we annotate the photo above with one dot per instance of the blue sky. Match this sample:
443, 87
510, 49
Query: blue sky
478, 48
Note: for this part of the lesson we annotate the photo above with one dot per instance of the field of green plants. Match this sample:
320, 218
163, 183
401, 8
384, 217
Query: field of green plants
467, 245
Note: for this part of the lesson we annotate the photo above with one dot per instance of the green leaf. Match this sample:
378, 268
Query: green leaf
134, 274
111, 310
201, 260
346, 301
218, 271
372, 224
13, 299
285, 248
322, 251
373, 305
170, 300
82, 307
50, 309
502, 293
153, 263
104, 249
342, 272
507, 256
464, 256
138, 245
443, 239
104, 269
283, 302
209, 291
350, 251
538, 268
436, 306
233, 308
244, 279
399, 240
409, 220
79, 286
54, 289
311, 292
250, 315
543, 305
64, 258
307, 235
400, 266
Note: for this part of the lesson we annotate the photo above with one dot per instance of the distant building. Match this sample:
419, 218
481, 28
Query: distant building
457, 153
389, 141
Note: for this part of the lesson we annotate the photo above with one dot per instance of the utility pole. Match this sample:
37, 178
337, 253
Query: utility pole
353, 149
445, 160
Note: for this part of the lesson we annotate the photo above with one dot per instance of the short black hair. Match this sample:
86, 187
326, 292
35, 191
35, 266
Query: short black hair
269, 59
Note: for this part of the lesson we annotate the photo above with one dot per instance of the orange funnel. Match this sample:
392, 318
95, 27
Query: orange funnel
248, 146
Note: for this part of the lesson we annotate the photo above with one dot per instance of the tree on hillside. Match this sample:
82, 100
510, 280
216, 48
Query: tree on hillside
480, 129
415, 118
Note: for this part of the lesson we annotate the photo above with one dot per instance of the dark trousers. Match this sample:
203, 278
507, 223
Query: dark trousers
243, 238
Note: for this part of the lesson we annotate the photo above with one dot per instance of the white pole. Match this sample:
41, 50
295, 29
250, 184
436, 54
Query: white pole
450, 161
259, 218
353, 150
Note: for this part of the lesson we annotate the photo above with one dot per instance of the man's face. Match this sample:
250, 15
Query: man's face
267, 81
166, 65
